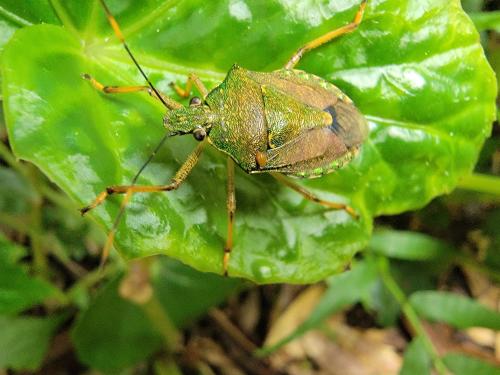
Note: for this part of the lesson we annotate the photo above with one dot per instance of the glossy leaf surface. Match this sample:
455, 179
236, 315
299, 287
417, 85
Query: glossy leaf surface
415, 69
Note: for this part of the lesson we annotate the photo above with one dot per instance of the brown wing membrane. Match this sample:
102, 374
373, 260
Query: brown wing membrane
315, 148
347, 123
315, 92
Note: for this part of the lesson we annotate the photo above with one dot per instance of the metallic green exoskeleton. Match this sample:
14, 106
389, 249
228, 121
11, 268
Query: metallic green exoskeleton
286, 122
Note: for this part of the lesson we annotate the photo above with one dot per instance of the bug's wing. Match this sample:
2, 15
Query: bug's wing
313, 153
318, 93
288, 118
347, 123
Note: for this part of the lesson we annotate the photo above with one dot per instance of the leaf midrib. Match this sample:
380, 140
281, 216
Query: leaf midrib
146, 20
14, 18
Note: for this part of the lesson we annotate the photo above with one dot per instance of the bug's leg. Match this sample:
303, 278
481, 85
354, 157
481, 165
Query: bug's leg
327, 37
185, 92
310, 196
231, 209
129, 89
179, 177
167, 102
129, 190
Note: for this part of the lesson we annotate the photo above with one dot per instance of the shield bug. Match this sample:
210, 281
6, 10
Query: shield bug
286, 123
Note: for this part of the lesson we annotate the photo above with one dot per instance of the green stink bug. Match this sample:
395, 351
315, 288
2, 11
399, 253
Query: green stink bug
286, 122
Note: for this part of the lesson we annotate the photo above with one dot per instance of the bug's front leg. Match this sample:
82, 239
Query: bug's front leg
310, 196
231, 209
171, 103
192, 79
129, 190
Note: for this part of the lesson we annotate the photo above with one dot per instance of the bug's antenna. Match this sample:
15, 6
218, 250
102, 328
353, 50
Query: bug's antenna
118, 33
126, 198
151, 156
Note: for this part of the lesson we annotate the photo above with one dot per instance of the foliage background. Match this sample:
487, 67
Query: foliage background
157, 315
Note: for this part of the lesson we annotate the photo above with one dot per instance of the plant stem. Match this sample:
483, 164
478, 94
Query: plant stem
481, 183
57, 198
410, 314
63, 15
93, 277
7, 156
162, 322
33, 229
40, 263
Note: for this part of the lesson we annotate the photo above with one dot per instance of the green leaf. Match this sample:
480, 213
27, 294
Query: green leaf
417, 260
410, 276
460, 364
27, 12
10, 252
472, 5
18, 290
385, 307
416, 70
343, 290
113, 333
490, 229
24, 341
416, 359
458, 311
14, 185
185, 293
407, 245
16, 14
486, 20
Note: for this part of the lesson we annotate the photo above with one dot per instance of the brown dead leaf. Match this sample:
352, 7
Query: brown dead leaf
287, 293
136, 285
487, 293
340, 349
250, 312
448, 340
298, 311
210, 352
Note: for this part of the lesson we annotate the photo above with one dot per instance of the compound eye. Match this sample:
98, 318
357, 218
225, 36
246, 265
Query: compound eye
199, 134
195, 101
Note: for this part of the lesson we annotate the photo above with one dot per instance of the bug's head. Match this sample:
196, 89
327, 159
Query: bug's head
197, 119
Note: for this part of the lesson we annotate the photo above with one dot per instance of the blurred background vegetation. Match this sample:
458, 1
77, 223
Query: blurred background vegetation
424, 294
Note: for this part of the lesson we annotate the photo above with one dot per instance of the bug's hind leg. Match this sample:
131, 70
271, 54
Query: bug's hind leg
327, 37
310, 196
185, 92
231, 209
129, 190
